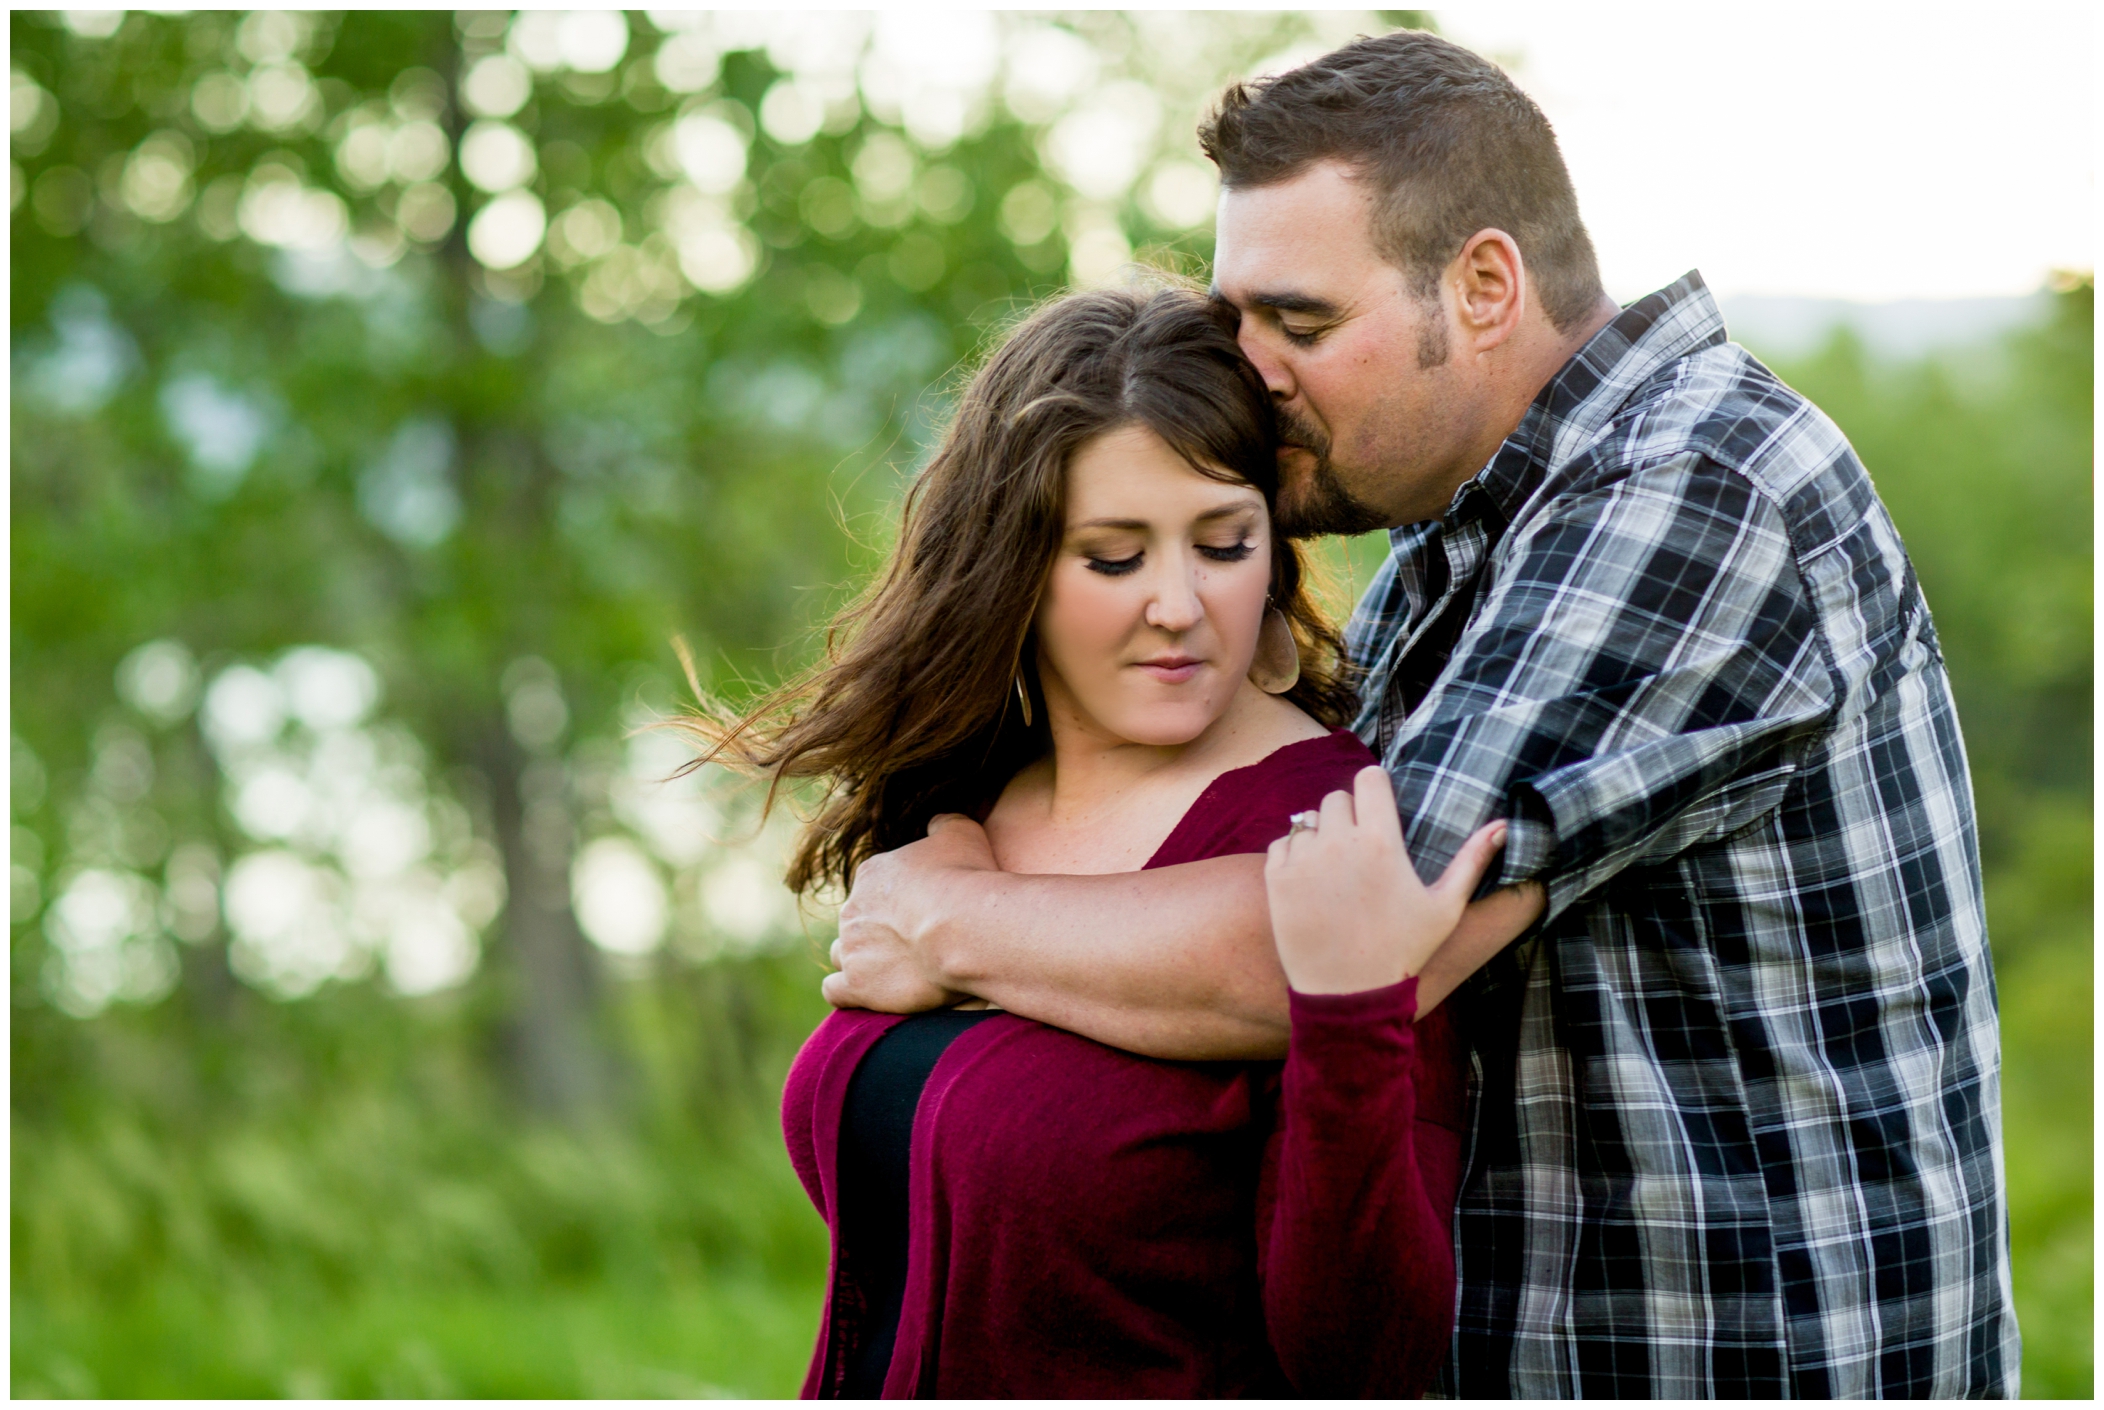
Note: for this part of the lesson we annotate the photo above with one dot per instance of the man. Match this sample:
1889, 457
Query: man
1735, 1124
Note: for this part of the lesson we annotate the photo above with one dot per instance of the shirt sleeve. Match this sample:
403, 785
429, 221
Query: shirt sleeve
1356, 1205
1644, 675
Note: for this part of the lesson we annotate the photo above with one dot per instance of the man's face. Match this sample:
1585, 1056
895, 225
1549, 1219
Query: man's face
1373, 410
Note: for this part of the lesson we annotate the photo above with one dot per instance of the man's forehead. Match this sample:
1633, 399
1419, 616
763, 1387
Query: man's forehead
1289, 245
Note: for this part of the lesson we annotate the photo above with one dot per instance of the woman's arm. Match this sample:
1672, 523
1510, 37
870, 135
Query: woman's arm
1359, 1257
1355, 1230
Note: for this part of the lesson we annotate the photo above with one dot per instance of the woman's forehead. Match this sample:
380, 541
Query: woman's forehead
1134, 464
1138, 495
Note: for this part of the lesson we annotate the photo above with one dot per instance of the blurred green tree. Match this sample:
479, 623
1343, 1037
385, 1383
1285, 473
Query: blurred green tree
497, 351
389, 389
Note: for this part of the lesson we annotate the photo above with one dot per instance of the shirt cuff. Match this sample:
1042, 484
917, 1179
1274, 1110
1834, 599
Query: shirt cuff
1391, 1001
1351, 1052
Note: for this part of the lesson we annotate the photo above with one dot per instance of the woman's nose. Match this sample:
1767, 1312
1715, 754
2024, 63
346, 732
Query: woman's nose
1175, 607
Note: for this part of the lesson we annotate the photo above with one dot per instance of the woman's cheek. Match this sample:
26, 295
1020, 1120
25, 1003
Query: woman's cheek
1238, 606
1081, 622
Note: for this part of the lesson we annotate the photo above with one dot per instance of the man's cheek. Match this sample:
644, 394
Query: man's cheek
1295, 465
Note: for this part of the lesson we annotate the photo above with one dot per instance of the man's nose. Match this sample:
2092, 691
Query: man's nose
1278, 379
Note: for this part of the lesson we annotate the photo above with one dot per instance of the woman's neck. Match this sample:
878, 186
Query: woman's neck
1101, 803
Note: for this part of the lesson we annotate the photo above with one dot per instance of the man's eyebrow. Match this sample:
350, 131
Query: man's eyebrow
1286, 301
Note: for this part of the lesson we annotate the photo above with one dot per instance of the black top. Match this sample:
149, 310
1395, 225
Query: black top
876, 1141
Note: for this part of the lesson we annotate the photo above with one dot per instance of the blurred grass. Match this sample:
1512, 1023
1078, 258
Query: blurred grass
374, 1252
741, 1337
375, 1220
2046, 1095
2047, 1003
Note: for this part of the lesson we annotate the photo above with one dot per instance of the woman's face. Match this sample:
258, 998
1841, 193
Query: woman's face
1150, 618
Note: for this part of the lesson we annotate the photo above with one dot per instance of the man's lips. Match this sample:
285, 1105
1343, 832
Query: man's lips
1171, 670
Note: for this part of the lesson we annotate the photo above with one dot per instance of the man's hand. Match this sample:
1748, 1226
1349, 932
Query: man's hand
882, 963
1348, 912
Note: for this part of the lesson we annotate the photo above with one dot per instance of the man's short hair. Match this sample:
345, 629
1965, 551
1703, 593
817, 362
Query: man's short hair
1450, 144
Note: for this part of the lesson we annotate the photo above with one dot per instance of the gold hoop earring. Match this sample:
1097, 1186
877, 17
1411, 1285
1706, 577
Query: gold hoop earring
1022, 693
1276, 668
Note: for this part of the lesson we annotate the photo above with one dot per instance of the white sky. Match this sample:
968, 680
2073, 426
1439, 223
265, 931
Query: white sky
1854, 154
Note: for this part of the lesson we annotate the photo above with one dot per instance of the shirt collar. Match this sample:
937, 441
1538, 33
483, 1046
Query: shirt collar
1656, 330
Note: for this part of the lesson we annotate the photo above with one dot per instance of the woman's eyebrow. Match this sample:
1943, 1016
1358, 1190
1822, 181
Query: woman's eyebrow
1224, 511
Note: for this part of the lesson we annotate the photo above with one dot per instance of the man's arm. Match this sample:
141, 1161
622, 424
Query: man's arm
1175, 962
1642, 677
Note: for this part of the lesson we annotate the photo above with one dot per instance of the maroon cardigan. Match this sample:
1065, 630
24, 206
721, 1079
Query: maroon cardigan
1085, 1222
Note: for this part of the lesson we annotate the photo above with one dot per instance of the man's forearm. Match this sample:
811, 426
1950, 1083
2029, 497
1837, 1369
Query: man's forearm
1175, 962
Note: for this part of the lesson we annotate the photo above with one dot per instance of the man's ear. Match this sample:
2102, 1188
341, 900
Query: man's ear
1489, 279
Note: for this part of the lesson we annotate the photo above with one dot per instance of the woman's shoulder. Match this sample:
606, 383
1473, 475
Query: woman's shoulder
1326, 762
1245, 809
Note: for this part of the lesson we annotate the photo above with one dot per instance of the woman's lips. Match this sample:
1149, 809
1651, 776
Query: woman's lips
1171, 670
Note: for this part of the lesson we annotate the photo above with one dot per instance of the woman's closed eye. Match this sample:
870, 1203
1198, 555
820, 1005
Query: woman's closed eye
1218, 553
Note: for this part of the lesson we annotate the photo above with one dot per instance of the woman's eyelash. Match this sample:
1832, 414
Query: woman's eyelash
1119, 567
1301, 338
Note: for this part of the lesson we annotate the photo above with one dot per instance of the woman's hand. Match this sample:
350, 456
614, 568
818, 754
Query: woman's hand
1347, 909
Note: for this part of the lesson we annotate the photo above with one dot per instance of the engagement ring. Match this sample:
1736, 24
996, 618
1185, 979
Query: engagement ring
1302, 822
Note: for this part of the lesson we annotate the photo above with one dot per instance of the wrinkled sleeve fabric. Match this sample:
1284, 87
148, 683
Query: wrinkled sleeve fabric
1643, 676
1357, 1200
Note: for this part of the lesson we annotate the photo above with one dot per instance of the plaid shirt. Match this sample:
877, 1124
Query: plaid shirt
1735, 1105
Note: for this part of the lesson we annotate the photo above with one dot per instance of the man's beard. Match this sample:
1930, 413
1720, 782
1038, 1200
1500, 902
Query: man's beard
1318, 503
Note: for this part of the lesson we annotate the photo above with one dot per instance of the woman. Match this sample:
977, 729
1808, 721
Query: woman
1089, 638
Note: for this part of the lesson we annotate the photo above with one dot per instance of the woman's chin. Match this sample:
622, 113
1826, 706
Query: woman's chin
1166, 727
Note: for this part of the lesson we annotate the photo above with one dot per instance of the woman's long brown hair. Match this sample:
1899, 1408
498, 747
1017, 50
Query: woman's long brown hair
914, 711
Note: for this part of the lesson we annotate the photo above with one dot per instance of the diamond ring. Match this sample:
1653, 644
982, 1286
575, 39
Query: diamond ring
1302, 822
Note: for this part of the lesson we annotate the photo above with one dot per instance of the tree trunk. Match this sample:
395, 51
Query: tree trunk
558, 1064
